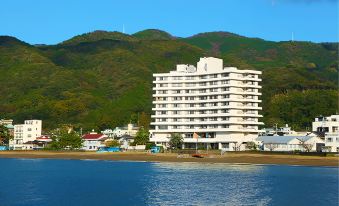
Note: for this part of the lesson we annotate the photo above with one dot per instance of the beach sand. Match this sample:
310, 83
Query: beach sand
245, 158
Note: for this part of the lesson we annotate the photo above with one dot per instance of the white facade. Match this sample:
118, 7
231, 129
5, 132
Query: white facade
290, 143
332, 142
220, 104
326, 124
120, 131
29, 131
93, 141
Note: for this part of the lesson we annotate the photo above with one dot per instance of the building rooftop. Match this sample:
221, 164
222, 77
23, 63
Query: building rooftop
93, 136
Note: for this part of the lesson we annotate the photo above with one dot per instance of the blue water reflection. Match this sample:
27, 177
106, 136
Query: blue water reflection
88, 182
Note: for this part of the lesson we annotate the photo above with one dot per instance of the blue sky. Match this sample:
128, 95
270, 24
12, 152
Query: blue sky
52, 21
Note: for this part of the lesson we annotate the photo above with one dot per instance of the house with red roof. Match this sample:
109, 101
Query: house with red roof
93, 140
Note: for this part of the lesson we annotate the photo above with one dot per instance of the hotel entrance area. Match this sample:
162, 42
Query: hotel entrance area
201, 146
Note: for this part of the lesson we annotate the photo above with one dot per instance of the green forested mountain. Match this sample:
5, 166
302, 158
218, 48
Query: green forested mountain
104, 79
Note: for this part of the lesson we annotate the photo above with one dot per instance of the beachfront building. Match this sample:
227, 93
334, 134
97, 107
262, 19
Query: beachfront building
331, 142
219, 105
23, 133
93, 140
118, 132
328, 128
290, 143
322, 125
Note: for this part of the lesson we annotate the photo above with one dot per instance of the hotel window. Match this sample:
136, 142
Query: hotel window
189, 135
191, 112
162, 127
175, 105
214, 90
213, 97
191, 119
202, 90
214, 104
225, 89
202, 84
203, 97
225, 103
225, 126
225, 82
226, 96
190, 78
225, 118
224, 111
214, 83
203, 77
329, 139
191, 105
202, 104
29, 129
163, 112
225, 75
214, 76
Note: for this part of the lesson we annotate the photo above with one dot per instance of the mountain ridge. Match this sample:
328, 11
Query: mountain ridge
104, 79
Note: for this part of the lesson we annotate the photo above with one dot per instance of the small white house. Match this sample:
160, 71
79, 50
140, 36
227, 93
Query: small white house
290, 143
93, 141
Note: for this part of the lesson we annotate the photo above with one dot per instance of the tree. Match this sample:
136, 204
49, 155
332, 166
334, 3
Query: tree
112, 143
142, 137
176, 141
307, 146
271, 146
251, 146
64, 139
144, 120
5, 135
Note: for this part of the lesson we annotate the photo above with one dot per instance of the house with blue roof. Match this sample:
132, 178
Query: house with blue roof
290, 143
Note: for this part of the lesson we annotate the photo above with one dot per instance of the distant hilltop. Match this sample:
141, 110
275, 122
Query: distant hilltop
104, 78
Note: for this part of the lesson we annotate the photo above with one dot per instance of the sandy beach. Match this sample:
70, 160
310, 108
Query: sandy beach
244, 158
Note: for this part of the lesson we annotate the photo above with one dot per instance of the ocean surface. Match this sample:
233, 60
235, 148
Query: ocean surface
90, 182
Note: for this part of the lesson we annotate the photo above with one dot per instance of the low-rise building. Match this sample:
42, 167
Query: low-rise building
331, 142
322, 125
93, 141
290, 143
23, 133
118, 132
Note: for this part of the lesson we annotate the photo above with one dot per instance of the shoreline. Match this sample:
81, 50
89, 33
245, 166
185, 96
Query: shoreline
232, 158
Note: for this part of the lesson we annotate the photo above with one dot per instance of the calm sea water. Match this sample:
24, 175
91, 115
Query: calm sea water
88, 182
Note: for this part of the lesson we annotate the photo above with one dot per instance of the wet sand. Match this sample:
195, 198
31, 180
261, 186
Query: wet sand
244, 158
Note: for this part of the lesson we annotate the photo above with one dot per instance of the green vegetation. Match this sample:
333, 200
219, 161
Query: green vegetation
176, 141
142, 137
104, 79
5, 135
63, 139
112, 143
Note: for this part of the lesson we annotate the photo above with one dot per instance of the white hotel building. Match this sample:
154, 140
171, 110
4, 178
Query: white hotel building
23, 133
220, 104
